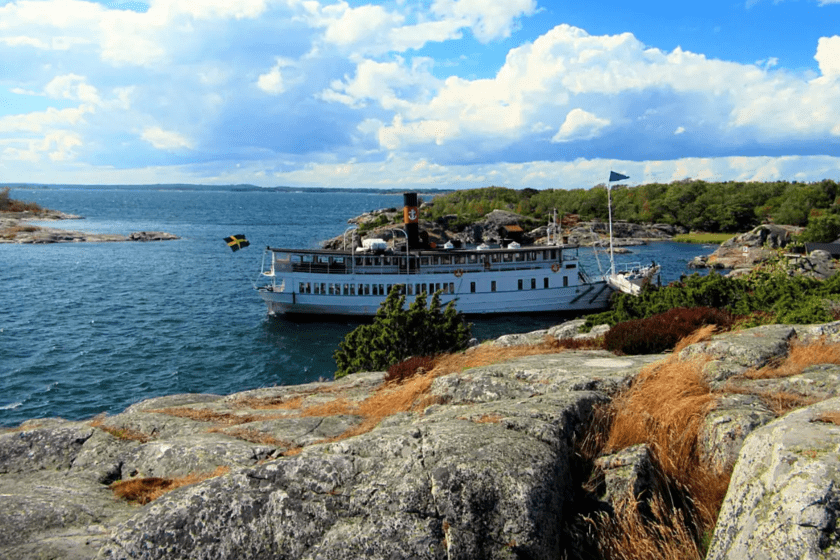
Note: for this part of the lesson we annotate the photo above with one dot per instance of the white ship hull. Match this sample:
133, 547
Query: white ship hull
594, 297
546, 279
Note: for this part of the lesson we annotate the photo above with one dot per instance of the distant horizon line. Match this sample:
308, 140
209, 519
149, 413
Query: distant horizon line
233, 187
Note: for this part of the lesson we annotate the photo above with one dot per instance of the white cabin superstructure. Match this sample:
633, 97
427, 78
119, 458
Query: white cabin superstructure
480, 281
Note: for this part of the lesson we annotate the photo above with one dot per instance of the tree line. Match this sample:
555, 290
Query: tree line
715, 207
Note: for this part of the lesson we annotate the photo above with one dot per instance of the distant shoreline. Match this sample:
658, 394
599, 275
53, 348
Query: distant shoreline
15, 227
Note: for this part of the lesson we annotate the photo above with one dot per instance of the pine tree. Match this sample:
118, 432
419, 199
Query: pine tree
398, 333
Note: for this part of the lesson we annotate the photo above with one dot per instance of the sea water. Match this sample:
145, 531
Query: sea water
87, 328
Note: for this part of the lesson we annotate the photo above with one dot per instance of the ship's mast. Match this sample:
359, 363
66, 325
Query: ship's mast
609, 211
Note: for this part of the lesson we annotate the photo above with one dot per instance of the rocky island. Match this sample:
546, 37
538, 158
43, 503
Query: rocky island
16, 226
491, 457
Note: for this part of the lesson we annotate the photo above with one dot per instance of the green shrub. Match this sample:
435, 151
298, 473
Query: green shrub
379, 221
767, 294
398, 333
821, 229
661, 332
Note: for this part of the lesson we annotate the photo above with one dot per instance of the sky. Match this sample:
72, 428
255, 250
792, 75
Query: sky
443, 94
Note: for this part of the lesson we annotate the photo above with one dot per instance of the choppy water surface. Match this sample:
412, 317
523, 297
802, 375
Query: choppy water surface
94, 327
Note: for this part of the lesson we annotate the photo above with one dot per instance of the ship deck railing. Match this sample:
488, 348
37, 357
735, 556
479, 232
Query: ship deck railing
319, 268
315, 262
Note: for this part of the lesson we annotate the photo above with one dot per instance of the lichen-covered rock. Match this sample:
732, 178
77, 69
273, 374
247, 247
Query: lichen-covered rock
725, 427
567, 330
488, 471
734, 353
523, 339
784, 496
747, 249
452, 484
42, 448
629, 473
540, 375
484, 474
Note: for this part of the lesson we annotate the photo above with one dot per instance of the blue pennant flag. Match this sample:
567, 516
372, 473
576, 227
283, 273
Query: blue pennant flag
617, 176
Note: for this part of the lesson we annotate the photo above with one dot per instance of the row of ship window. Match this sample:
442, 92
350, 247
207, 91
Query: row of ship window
333, 289
471, 258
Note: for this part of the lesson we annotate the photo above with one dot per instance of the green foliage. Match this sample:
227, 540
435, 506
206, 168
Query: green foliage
729, 207
821, 229
764, 295
379, 221
398, 333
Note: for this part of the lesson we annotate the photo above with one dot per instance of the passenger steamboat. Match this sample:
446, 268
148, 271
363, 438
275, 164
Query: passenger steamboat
480, 280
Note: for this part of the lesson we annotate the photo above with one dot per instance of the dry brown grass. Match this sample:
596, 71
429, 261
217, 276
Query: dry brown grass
120, 433
272, 403
486, 355
145, 490
292, 452
330, 408
12, 231
665, 408
701, 334
254, 436
628, 535
286, 402
829, 418
223, 418
800, 356
487, 419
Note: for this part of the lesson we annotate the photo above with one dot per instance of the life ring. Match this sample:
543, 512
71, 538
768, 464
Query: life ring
458, 273
555, 267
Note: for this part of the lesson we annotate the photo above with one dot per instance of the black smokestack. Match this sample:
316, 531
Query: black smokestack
411, 219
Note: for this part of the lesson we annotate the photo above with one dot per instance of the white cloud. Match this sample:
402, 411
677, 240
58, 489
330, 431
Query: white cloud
488, 20
223, 77
210, 9
399, 134
381, 81
41, 121
72, 86
165, 139
567, 69
57, 146
21, 41
828, 56
272, 81
354, 25
580, 125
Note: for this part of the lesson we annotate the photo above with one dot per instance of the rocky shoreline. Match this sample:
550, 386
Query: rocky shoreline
16, 227
494, 228
479, 463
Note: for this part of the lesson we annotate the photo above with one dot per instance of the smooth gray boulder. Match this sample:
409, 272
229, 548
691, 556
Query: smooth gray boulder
784, 496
